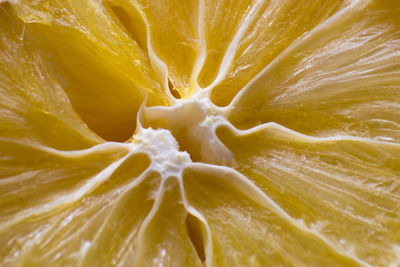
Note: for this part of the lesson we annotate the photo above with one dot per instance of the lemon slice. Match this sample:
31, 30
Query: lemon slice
199, 133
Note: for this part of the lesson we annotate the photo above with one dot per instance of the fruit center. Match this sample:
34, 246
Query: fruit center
163, 149
192, 122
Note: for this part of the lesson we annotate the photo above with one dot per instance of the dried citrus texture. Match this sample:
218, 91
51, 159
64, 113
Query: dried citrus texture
192, 133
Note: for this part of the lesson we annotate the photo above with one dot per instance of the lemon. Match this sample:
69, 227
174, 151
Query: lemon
200, 133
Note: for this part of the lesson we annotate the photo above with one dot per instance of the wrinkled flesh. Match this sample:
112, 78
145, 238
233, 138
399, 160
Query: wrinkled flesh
192, 133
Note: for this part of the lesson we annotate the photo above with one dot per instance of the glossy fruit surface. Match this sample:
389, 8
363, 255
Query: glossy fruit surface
200, 133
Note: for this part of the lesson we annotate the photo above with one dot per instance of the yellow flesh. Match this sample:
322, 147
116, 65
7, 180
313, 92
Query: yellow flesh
284, 149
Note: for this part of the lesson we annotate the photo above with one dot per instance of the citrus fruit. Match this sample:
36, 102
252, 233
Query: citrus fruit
200, 133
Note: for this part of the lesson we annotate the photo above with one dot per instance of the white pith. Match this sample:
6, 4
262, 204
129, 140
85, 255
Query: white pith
162, 148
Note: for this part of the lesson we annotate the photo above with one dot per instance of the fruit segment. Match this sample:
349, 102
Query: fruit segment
53, 203
247, 228
105, 73
33, 106
163, 239
118, 233
341, 79
172, 34
220, 23
273, 26
346, 189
